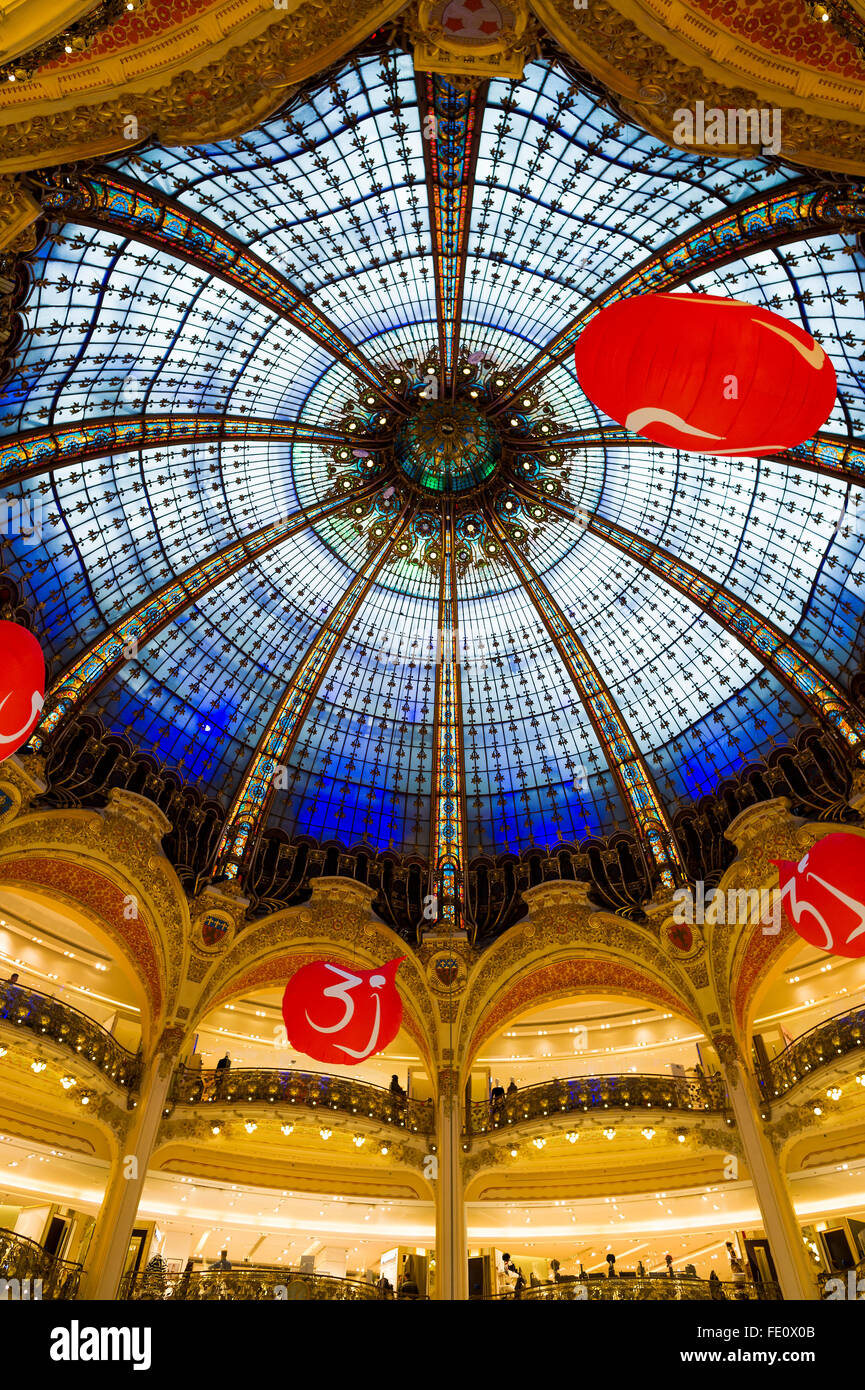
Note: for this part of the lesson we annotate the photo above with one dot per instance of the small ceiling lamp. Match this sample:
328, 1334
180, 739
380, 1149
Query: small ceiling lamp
250, 1126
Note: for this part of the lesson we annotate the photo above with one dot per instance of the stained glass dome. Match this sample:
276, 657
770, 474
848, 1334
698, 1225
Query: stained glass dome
453, 624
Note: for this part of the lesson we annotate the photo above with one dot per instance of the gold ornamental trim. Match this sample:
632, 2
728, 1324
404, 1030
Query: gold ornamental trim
656, 74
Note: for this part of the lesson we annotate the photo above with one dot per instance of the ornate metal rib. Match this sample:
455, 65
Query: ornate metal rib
450, 159
39, 451
776, 651
788, 214
126, 637
107, 200
830, 455
247, 816
448, 806
632, 777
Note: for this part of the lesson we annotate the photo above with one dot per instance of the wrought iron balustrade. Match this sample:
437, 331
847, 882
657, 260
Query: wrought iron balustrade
248, 1283
836, 1037
49, 1017
22, 1259
657, 1289
581, 1094
313, 1090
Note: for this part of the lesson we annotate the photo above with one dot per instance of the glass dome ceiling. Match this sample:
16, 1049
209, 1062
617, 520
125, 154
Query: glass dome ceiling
262, 558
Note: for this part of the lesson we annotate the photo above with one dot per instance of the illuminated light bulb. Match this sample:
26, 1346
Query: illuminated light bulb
358, 1140
384, 1149
834, 1093
514, 1153
38, 1066
514, 421
216, 1129
609, 1134
539, 1142
572, 1136
250, 1126
85, 1100
860, 1079
287, 1129
3, 1050
67, 1081
818, 1109
648, 1132
325, 1133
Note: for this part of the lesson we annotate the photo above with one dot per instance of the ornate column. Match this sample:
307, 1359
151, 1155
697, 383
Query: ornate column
119, 1209
451, 1248
770, 1184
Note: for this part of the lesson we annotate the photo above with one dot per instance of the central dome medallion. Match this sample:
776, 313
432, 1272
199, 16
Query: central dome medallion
447, 447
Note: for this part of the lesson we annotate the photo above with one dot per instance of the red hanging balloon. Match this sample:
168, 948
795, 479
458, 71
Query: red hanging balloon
334, 1014
22, 686
823, 896
706, 374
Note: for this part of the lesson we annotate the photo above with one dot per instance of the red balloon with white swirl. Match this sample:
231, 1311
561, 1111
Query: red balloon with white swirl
706, 374
823, 896
334, 1013
22, 686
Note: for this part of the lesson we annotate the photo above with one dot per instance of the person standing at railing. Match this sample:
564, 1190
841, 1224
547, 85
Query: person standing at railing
223, 1067
398, 1095
497, 1099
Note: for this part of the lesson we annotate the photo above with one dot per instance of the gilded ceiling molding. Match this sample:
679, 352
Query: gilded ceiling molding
110, 866
613, 956
563, 921
762, 832
181, 87
663, 61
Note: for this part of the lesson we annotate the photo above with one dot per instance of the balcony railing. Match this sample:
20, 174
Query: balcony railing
593, 1093
52, 1018
47, 1016
250, 1283
836, 1037
312, 1090
658, 1289
24, 1260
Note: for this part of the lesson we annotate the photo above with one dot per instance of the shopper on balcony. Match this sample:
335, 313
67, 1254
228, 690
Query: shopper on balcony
223, 1067
611, 1266
512, 1087
497, 1098
397, 1092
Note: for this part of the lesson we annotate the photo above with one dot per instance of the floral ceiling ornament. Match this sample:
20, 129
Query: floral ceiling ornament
473, 38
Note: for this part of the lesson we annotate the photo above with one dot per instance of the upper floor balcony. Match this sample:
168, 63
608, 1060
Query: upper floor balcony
583, 1094
310, 1090
48, 1017
819, 1047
